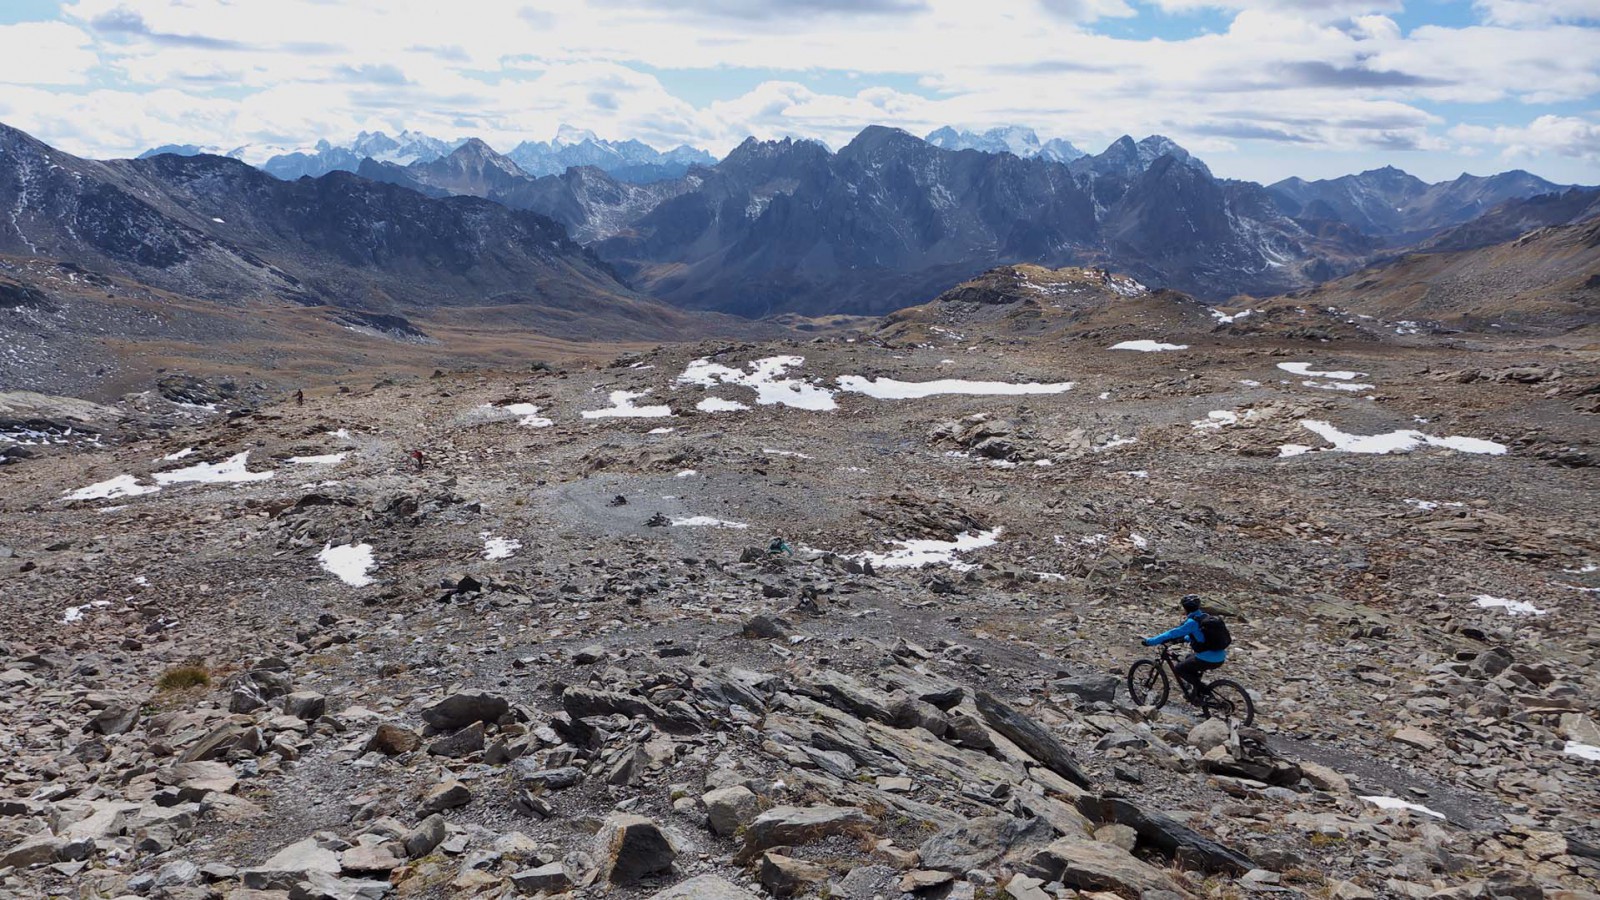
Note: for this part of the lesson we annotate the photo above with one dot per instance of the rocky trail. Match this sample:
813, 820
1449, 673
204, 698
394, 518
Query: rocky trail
257, 654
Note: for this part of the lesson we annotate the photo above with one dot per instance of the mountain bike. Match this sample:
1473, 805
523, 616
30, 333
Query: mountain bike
1149, 684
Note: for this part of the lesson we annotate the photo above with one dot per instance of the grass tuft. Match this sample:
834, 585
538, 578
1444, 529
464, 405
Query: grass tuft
183, 678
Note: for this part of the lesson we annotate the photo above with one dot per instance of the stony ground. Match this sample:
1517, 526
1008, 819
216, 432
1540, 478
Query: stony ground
196, 706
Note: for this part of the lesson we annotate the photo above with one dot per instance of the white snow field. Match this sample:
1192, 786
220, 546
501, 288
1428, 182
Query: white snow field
890, 389
1304, 370
622, 408
1513, 607
1397, 803
1402, 441
1148, 346
766, 378
916, 553
230, 471
348, 562
499, 547
120, 486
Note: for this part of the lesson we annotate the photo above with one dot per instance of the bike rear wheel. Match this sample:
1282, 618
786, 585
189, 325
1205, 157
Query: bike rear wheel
1230, 702
1148, 684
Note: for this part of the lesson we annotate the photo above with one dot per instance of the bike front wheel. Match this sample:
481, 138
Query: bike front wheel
1148, 684
1230, 702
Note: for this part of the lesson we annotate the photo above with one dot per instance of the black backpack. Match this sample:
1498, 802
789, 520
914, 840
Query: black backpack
1213, 634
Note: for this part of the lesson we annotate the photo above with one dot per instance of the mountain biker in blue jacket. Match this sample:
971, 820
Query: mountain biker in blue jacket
1199, 662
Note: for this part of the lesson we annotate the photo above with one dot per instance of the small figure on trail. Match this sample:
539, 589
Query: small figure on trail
416, 457
299, 397
1206, 634
778, 545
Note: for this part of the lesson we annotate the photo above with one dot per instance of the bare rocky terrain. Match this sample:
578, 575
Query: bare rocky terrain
255, 653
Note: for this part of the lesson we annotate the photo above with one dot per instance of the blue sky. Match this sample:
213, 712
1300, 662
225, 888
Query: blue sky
1260, 89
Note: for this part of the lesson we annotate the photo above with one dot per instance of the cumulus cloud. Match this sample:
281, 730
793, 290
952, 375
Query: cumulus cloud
1330, 75
1559, 135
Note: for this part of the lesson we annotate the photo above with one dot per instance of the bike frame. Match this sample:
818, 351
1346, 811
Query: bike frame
1171, 660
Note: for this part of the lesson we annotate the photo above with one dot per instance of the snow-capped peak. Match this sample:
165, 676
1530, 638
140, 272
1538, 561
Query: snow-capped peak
568, 135
1018, 140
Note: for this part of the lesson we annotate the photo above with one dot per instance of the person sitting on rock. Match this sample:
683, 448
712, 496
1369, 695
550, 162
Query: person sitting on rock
1206, 634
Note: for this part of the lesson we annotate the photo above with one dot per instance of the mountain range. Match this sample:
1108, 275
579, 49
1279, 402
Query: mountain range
136, 262
630, 160
889, 220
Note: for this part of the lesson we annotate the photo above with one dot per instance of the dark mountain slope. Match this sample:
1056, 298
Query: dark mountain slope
216, 228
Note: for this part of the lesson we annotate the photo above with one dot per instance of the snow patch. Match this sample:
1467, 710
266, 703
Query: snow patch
791, 453
527, 415
1514, 607
890, 389
918, 553
717, 404
1117, 440
1397, 803
766, 379
74, 613
499, 547
1304, 370
173, 457
327, 459
1582, 751
1402, 441
706, 522
230, 471
120, 486
622, 408
1148, 346
348, 562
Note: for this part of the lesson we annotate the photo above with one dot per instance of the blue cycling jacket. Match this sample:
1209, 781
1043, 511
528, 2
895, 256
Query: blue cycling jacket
1190, 631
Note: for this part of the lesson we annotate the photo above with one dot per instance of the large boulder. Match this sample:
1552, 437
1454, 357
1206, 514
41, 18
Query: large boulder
291, 865
1167, 835
393, 740
448, 795
1092, 688
977, 843
785, 876
631, 847
462, 709
730, 809
794, 826
1089, 865
1209, 733
1031, 737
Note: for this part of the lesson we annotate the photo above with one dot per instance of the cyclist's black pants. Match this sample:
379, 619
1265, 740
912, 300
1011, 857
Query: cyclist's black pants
1193, 669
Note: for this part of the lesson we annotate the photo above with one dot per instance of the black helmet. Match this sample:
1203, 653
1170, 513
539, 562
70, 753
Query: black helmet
1190, 602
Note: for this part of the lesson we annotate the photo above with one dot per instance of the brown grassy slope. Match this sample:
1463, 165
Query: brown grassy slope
1549, 278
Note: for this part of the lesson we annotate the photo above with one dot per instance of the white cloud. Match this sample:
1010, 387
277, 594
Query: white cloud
1328, 75
45, 53
1546, 135
1538, 12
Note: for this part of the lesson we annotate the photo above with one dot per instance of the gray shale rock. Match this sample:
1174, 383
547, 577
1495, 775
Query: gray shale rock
631, 847
460, 710
793, 826
704, 887
729, 809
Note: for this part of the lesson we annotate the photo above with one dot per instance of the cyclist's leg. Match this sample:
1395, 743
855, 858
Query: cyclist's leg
1189, 674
